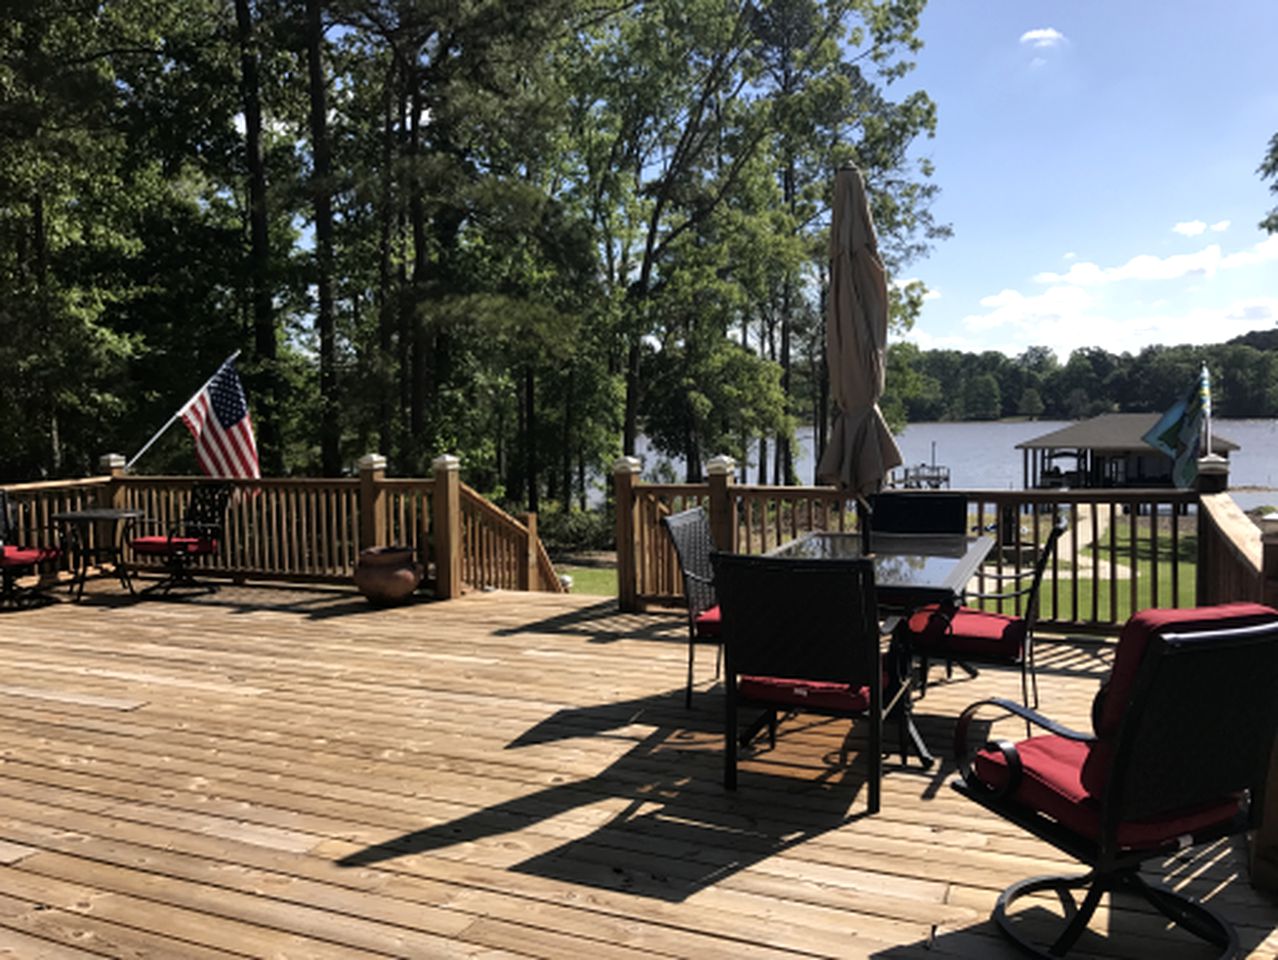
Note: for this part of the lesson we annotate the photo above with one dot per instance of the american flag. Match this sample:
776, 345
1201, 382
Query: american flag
218, 419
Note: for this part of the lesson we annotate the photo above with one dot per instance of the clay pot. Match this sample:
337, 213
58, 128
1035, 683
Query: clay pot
387, 575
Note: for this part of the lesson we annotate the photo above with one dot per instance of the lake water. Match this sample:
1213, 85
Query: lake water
983, 456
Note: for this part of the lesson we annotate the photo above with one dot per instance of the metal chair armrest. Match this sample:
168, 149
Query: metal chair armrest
963, 760
708, 581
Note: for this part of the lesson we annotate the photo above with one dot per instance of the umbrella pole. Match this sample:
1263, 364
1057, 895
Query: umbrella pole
864, 515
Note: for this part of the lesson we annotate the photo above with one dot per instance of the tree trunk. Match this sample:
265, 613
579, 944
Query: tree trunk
530, 438
630, 423
271, 448
385, 314
322, 201
417, 325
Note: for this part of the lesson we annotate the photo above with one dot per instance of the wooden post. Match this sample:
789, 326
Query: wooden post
1213, 477
113, 492
372, 503
723, 505
624, 473
528, 574
447, 522
1264, 846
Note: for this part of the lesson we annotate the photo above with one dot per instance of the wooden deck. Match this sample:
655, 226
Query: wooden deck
292, 774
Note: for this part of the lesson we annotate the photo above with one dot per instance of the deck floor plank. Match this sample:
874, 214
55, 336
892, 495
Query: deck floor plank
288, 772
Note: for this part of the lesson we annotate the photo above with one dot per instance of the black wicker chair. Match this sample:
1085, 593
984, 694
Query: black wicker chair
18, 558
966, 635
1179, 755
197, 534
803, 635
690, 533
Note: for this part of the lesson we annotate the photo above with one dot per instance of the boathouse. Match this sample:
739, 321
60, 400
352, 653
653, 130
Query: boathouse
1105, 451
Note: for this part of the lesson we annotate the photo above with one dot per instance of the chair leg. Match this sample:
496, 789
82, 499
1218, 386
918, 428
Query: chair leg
687, 695
1192, 916
730, 739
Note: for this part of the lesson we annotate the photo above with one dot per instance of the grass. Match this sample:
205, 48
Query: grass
591, 581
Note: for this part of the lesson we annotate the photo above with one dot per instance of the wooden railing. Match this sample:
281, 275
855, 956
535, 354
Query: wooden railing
1231, 552
1125, 549
501, 552
305, 529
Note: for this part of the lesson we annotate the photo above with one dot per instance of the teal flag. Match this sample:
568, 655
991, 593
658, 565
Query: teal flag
1178, 433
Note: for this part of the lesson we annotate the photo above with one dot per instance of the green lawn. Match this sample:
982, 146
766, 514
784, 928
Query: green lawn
591, 581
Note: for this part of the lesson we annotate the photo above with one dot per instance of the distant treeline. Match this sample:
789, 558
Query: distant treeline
930, 385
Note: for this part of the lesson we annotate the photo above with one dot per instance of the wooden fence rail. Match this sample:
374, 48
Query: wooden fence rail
1125, 549
308, 529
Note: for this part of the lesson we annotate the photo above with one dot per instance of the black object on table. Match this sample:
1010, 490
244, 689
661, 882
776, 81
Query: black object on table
96, 535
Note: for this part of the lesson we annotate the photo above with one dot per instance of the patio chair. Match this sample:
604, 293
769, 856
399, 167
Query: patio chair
690, 533
1178, 757
965, 635
803, 635
18, 559
197, 534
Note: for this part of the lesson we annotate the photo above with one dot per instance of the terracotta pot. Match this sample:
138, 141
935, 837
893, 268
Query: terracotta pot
387, 575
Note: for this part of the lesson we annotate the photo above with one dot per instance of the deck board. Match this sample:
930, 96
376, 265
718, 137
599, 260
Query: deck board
290, 773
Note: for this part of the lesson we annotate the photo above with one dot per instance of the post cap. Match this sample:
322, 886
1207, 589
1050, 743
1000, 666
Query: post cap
111, 461
371, 461
446, 461
1213, 474
627, 465
721, 466
1213, 463
1269, 527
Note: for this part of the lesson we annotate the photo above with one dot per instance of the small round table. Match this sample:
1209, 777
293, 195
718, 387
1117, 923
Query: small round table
96, 534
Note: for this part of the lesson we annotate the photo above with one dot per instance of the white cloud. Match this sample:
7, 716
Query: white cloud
1037, 63
1043, 37
1220, 226
1070, 255
932, 295
1204, 263
1189, 228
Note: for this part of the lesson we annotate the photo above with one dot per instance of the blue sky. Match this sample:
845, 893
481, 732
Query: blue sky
1097, 161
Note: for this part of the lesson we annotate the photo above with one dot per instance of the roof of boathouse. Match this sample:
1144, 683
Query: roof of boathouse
1114, 432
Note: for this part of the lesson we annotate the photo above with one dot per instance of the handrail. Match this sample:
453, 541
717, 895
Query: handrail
313, 528
498, 552
1127, 548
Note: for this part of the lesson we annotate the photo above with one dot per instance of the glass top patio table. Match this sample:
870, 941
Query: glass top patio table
910, 569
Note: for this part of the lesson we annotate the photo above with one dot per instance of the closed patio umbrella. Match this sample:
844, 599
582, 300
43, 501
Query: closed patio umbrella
861, 450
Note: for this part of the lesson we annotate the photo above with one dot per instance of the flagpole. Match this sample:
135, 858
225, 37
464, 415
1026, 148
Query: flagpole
1205, 387
173, 419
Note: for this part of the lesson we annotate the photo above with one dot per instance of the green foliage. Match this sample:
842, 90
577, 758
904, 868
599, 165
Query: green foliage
576, 531
553, 225
1269, 171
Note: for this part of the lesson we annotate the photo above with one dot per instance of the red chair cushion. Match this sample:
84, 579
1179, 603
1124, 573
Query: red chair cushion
708, 623
996, 636
163, 546
1052, 783
1135, 636
805, 694
11, 556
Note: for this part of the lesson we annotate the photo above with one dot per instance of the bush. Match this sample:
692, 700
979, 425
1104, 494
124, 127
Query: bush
573, 531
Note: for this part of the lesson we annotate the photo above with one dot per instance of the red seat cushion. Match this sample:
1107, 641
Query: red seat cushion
162, 546
11, 556
805, 694
1052, 783
967, 632
708, 623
